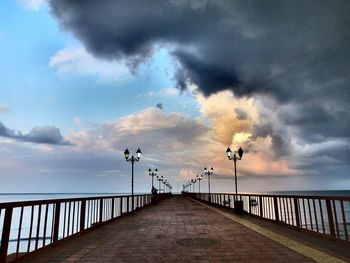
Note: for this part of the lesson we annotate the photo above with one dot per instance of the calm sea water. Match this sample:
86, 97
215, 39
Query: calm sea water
15, 197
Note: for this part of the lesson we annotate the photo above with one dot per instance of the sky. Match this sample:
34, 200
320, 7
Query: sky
181, 80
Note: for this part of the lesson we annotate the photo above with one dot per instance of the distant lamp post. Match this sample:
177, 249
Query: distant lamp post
159, 179
165, 185
209, 173
199, 178
235, 158
132, 159
193, 181
150, 173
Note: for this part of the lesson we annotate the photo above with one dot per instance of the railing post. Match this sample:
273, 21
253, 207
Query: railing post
112, 212
261, 206
57, 221
275, 206
127, 204
330, 219
121, 205
82, 215
249, 204
5, 234
296, 209
101, 210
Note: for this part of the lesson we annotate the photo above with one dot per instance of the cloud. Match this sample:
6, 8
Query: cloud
159, 106
295, 53
31, 4
41, 135
3, 109
219, 109
76, 61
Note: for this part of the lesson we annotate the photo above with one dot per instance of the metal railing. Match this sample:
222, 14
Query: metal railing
30, 225
325, 215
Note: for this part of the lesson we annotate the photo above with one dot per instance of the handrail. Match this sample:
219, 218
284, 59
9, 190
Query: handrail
27, 226
324, 215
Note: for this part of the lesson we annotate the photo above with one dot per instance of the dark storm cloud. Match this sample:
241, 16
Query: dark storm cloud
296, 52
44, 135
280, 141
269, 47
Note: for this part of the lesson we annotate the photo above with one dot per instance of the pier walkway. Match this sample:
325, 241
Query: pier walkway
179, 229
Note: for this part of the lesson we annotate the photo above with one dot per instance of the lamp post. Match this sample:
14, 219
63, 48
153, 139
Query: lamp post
193, 181
165, 185
235, 158
209, 172
199, 178
152, 174
159, 179
132, 159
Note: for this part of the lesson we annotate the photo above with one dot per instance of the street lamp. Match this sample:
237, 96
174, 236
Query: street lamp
152, 174
132, 159
235, 158
199, 178
209, 172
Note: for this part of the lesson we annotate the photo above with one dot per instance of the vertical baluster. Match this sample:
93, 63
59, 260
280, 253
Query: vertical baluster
87, 202
82, 215
38, 228
68, 222
73, 218
315, 214
45, 223
304, 211
127, 205
52, 222
19, 231
287, 206
121, 205
284, 209
336, 218
6, 234
321, 212
330, 219
30, 228
112, 209
311, 222
64, 218
344, 220
261, 206
291, 211
101, 210
92, 211
77, 227
280, 209
275, 208
297, 212
57, 221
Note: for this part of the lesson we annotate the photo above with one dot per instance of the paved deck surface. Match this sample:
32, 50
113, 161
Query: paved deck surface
175, 230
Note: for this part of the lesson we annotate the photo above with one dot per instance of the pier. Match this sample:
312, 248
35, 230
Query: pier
179, 228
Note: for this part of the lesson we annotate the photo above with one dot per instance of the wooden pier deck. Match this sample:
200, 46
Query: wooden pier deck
179, 229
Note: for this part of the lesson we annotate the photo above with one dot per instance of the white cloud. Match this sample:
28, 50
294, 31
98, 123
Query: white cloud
167, 92
31, 4
76, 61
